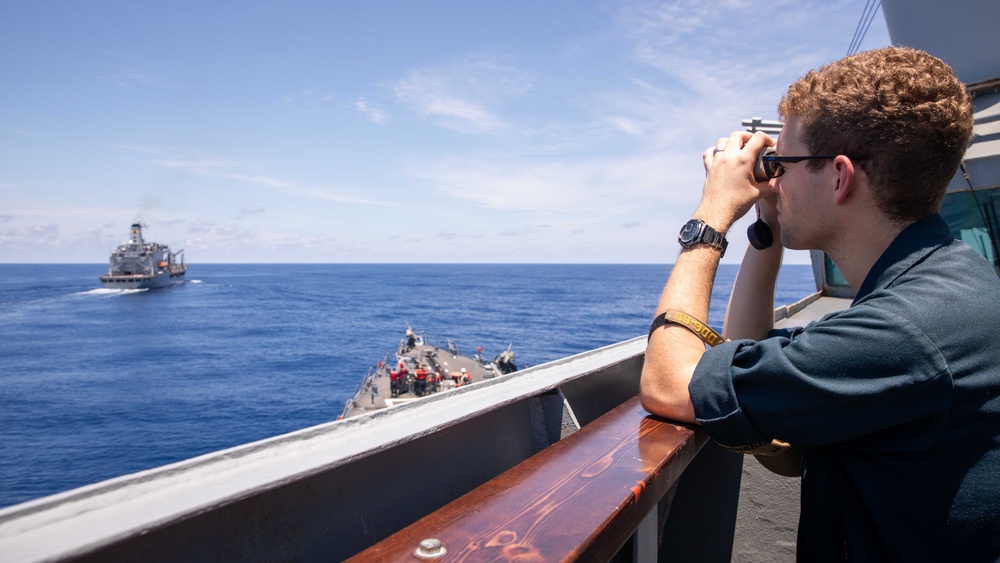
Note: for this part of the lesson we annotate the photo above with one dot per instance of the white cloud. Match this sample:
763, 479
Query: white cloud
129, 77
713, 62
509, 183
372, 111
466, 95
210, 167
222, 233
217, 167
37, 236
310, 100
245, 243
197, 165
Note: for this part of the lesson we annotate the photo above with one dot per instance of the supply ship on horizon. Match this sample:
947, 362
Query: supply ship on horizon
138, 264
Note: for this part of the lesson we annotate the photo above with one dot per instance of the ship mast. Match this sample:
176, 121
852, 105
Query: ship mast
135, 235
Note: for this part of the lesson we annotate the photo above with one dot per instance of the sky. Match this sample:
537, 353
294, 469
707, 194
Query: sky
520, 131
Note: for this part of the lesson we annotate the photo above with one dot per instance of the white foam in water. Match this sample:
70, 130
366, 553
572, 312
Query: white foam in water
110, 292
98, 291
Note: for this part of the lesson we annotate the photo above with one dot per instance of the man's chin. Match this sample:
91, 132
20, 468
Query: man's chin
789, 243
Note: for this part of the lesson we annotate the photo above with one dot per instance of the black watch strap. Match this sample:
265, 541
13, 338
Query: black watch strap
714, 238
696, 232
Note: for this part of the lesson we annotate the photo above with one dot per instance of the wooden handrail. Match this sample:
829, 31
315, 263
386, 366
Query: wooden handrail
581, 498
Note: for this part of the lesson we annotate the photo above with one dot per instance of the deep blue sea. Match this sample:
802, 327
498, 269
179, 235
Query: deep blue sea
98, 383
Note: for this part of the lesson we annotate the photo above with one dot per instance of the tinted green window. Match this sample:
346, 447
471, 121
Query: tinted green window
833, 276
972, 217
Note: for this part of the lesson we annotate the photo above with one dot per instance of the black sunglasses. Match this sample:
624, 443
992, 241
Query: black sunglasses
770, 164
772, 167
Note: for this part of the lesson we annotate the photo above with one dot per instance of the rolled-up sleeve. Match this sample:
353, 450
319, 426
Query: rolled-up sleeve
714, 396
860, 372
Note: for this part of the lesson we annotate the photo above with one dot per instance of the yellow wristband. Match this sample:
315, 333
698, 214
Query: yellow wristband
702, 330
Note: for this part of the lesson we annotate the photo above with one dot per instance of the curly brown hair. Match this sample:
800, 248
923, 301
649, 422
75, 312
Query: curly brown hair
899, 112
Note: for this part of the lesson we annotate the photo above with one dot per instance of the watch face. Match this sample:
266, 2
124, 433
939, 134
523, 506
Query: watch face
689, 232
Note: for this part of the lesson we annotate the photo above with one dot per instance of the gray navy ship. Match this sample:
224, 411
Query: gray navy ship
138, 264
421, 369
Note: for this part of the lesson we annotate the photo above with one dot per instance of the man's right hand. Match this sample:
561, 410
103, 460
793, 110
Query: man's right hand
730, 189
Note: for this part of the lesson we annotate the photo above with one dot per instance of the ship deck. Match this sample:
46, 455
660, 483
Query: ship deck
442, 364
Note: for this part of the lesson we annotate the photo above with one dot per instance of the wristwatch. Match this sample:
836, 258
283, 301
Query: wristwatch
696, 232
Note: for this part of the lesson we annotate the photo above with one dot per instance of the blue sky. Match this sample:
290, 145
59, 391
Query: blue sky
402, 131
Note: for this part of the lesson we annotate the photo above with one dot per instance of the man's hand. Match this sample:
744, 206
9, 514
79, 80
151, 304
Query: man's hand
730, 189
673, 352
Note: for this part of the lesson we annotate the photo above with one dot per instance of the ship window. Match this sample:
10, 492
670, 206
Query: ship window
834, 278
972, 217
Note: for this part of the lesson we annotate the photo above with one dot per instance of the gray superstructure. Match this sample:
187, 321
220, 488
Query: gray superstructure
138, 264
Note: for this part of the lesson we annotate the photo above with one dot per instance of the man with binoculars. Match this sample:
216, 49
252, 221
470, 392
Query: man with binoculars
890, 409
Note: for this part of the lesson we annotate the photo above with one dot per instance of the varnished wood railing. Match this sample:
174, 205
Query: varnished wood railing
580, 499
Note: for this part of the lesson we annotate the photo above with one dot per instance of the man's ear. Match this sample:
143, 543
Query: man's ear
847, 180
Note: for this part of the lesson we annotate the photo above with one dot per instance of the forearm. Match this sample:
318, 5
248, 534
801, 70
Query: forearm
673, 351
750, 313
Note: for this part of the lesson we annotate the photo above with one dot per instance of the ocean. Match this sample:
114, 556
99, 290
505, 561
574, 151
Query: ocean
97, 383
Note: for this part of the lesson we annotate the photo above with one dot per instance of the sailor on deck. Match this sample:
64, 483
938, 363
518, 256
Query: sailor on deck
421, 381
891, 407
394, 383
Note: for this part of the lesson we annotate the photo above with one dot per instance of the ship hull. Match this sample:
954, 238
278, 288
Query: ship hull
161, 279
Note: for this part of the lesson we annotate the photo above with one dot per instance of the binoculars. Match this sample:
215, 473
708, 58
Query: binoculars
760, 234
